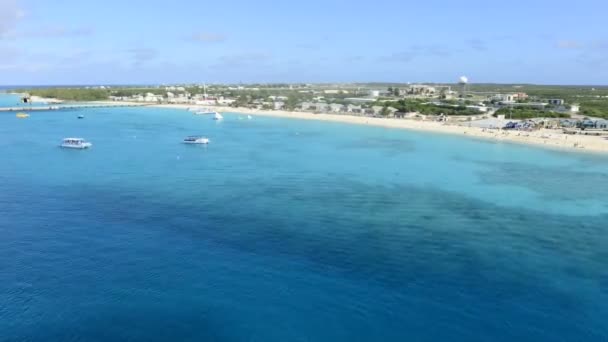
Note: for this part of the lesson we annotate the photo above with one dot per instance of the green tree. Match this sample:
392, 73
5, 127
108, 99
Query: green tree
385, 112
292, 102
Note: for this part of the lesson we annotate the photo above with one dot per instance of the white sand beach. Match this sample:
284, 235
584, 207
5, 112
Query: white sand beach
543, 137
39, 99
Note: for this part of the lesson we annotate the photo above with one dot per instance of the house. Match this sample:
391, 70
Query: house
336, 108
152, 98
306, 106
575, 108
556, 102
356, 109
321, 107
378, 110
278, 105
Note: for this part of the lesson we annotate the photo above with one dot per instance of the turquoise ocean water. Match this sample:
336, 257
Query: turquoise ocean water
8, 100
288, 230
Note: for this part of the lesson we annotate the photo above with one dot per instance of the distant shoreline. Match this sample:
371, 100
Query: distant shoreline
554, 139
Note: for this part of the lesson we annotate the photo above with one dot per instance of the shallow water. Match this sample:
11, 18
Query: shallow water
287, 230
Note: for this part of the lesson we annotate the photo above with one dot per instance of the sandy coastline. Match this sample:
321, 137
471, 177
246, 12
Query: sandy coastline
543, 137
38, 99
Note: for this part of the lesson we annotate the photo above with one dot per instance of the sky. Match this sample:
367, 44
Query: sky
50, 42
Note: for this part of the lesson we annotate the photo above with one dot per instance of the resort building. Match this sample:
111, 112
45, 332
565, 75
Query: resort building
336, 108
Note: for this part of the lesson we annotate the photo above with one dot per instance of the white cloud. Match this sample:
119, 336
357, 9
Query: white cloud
570, 44
206, 37
142, 55
10, 13
51, 32
245, 59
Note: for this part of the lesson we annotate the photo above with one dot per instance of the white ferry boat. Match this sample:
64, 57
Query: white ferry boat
196, 139
77, 143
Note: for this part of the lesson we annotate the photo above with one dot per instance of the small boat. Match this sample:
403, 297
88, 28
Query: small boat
196, 139
249, 117
205, 112
77, 143
22, 115
81, 116
218, 116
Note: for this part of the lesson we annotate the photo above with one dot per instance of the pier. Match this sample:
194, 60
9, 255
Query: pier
67, 107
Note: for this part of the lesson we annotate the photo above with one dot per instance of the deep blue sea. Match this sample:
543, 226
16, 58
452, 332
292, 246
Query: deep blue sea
288, 230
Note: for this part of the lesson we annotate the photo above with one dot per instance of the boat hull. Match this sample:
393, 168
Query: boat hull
76, 147
197, 142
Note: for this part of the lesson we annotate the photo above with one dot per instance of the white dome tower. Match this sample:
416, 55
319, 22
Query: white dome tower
463, 83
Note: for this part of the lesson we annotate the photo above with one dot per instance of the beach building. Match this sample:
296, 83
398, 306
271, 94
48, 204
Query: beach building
278, 105
321, 107
336, 108
306, 106
355, 109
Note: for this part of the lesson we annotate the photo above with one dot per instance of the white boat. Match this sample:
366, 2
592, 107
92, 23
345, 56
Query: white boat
205, 111
77, 143
249, 117
196, 139
218, 116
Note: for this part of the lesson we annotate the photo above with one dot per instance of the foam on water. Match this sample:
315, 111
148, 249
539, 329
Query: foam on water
286, 230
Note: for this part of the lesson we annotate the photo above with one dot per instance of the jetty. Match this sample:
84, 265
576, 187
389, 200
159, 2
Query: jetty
69, 106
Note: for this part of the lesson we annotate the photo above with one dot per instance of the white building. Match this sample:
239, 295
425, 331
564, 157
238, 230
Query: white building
336, 107
575, 108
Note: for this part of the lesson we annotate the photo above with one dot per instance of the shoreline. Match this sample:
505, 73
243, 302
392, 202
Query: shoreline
38, 99
554, 139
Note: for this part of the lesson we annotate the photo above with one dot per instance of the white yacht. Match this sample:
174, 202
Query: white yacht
218, 116
205, 111
77, 143
196, 139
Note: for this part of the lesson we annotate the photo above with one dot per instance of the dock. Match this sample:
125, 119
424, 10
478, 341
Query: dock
67, 107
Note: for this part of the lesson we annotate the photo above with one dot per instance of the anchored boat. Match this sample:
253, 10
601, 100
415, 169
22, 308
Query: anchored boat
77, 143
196, 139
